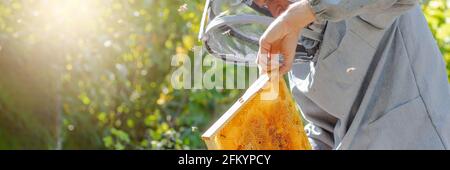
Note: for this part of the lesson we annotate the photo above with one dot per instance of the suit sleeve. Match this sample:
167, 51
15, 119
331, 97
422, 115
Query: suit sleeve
380, 10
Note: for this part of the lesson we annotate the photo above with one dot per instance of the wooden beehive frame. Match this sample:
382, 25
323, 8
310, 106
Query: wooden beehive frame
209, 135
256, 122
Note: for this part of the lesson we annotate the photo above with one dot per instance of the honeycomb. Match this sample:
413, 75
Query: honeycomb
264, 124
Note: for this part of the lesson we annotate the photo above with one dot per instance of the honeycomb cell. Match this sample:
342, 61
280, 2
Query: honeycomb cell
260, 124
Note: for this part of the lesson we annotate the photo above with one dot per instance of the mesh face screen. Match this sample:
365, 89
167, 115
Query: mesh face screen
238, 40
233, 31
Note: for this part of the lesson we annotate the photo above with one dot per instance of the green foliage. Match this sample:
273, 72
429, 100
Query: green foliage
126, 93
438, 16
95, 74
103, 69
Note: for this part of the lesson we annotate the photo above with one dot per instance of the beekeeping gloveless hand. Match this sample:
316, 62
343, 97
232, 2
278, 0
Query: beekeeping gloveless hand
281, 37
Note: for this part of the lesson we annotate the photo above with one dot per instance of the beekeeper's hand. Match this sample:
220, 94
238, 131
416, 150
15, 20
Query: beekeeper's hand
281, 37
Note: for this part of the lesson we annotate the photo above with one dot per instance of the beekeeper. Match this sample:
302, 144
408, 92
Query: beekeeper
377, 80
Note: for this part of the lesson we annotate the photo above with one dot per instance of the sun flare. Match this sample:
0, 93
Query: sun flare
63, 18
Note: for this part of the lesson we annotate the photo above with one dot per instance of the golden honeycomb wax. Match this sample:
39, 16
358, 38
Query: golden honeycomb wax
256, 123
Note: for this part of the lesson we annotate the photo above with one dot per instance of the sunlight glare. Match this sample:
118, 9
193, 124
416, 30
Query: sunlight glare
66, 17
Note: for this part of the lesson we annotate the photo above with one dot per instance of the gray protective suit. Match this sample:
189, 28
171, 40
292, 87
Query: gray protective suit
378, 80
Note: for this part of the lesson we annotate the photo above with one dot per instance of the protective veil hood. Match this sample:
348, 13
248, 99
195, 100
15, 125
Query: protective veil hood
230, 30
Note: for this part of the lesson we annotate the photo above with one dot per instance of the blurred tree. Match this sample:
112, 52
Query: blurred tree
122, 94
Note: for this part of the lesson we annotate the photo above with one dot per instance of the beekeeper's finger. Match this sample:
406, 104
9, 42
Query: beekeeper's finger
274, 62
263, 56
262, 63
285, 68
288, 48
263, 59
276, 30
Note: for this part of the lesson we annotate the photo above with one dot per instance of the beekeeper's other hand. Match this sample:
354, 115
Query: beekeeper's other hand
281, 37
